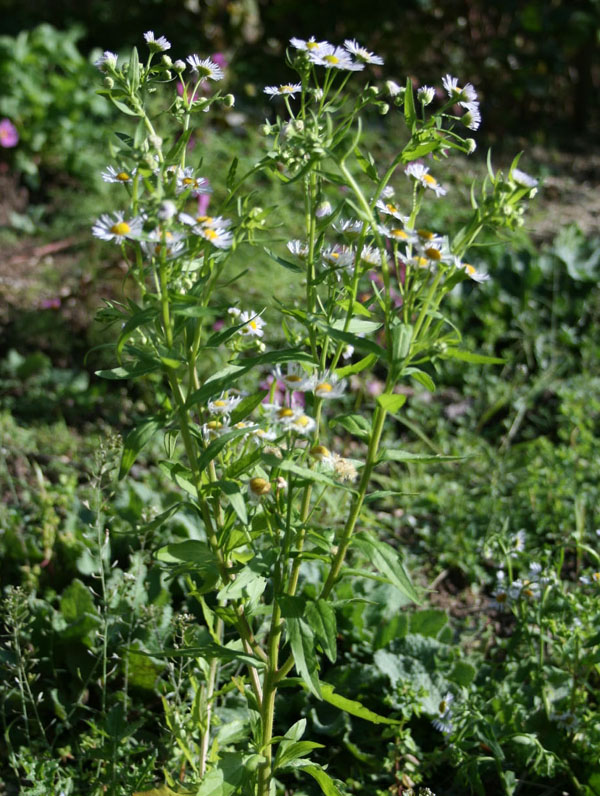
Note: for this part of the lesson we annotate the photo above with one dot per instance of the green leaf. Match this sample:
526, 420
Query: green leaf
463, 673
230, 179
128, 371
355, 424
357, 326
422, 377
285, 263
293, 750
192, 551
122, 107
391, 402
470, 356
303, 472
360, 343
353, 707
356, 367
406, 456
326, 784
208, 651
180, 475
135, 441
428, 622
246, 406
387, 561
366, 163
410, 114
248, 585
138, 319
216, 446
401, 339
225, 779
236, 498
79, 613
321, 617
302, 642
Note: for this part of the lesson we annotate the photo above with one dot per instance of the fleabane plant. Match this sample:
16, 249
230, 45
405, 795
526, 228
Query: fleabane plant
279, 503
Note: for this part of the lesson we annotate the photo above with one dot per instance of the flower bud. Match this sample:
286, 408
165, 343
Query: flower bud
320, 452
394, 89
426, 94
471, 145
324, 209
155, 141
372, 91
109, 82
229, 100
259, 487
383, 108
179, 66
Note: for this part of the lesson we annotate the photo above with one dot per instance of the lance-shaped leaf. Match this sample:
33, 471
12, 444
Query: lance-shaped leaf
321, 617
471, 356
135, 441
391, 455
387, 561
302, 642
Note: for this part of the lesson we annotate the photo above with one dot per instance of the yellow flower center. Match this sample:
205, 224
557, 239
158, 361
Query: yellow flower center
288, 88
188, 181
392, 208
470, 270
319, 452
220, 403
502, 597
122, 228
324, 387
443, 707
433, 254
421, 262
293, 379
253, 325
596, 577
285, 412
399, 233
429, 179
331, 59
425, 234
211, 234
303, 421
311, 45
204, 219
123, 176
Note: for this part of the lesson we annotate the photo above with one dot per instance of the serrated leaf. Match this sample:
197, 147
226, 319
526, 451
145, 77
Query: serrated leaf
135, 442
387, 561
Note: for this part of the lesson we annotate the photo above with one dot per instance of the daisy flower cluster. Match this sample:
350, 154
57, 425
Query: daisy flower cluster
528, 588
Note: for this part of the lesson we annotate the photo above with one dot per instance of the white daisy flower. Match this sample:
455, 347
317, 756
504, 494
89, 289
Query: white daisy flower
443, 721
309, 45
394, 89
173, 243
295, 377
212, 222
479, 276
298, 248
464, 95
187, 181
264, 434
253, 324
361, 53
523, 179
567, 720
348, 226
224, 405
589, 580
213, 429
106, 61
398, 234
390, 209
426, 95
302, 424
421, 174
110, 174
338, 256
370, 255
428, 238
287, 90
472, 118
327, 385
524, 588
205, 68
116, 228
159, 45
220, 237
334, 58
323, 455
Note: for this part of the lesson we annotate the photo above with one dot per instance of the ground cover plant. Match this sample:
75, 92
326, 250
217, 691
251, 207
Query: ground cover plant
261, 567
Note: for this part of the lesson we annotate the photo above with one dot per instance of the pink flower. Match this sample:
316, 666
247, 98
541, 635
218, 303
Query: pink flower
9, 136
203, 201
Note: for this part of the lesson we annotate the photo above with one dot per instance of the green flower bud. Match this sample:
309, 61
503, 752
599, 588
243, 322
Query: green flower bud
109, 82
167, 61
229, 100
179, 66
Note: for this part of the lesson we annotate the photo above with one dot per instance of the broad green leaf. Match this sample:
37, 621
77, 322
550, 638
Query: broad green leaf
225, 779
357, 308
401, 339
139, 319
135, 441
164, 790
391, 402
463, 673
354, 423
78, 612
217, 445
248, 585
320, 615
357, 326
419, 150
387, 561
180, 475
192, 551
470, 356
428, 622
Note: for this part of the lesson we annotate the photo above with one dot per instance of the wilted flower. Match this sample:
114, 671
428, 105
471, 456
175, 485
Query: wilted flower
258, 488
